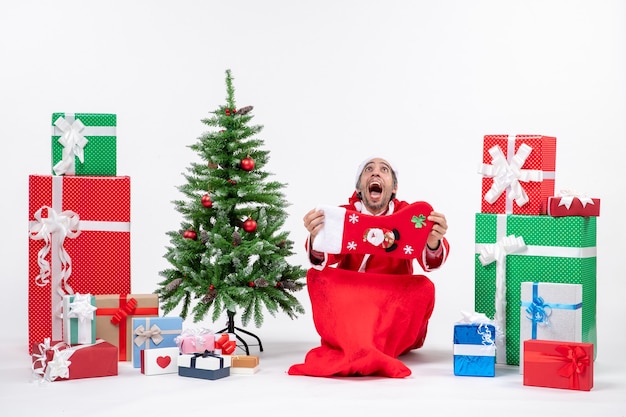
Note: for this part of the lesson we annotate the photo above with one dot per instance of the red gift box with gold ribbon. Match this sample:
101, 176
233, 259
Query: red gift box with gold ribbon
114, 314
518, 173
558, 364
79, 242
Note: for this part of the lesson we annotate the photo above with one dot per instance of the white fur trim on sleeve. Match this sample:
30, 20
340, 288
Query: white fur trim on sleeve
330, 237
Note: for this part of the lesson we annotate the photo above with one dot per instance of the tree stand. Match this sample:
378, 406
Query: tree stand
230, 328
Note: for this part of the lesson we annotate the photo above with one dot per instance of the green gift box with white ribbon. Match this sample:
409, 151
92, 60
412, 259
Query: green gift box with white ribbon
79, 319
511, 249
84, 144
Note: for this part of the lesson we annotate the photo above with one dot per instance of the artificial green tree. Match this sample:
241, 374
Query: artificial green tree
230, 254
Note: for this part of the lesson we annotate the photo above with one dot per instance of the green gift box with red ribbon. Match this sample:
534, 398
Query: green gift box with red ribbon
114, 318
511, 249
79, 242
84, 144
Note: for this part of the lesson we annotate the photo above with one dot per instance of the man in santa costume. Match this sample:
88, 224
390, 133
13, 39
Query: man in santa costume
369, 307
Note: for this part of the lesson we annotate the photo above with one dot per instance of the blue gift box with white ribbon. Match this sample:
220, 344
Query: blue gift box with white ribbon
474, 349
154, 332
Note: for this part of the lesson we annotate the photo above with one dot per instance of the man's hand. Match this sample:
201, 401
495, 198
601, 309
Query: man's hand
440, 227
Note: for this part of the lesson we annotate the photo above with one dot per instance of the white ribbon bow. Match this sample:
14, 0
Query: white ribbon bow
59, 366
508, 175
65, 224
73, 143
567, 196
81, 308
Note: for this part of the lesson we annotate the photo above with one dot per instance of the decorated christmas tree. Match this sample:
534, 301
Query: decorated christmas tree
230, 254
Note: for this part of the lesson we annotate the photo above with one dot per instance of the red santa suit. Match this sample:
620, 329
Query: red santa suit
369, 309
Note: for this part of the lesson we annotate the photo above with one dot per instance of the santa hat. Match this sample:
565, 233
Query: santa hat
367, 160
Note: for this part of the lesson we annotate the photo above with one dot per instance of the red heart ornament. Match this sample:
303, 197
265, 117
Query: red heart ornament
163, 361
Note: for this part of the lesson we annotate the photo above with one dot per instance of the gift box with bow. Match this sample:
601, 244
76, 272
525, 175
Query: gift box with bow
225, 344
84, 144
558, 364
159, 361
474, 346
205, 365
518, 173
154, 332
79, 319
511, 249
57, 361
550, 311
79, 229
114, 318
569, 203
195, 341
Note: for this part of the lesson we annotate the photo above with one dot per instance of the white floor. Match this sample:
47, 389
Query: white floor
432, 390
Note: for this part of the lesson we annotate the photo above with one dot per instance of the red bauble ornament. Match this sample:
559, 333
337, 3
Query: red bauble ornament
232, 182
190, 234
247, 164
251, 284
211, 287
206, 201
249, 225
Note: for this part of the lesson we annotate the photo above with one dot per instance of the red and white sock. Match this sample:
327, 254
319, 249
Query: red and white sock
402, 234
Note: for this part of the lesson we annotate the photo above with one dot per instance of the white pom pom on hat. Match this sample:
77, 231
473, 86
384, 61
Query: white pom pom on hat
361, 166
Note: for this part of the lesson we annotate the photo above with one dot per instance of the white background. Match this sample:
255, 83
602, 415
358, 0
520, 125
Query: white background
331, 82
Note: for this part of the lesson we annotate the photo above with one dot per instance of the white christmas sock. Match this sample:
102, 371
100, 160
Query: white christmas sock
402, 234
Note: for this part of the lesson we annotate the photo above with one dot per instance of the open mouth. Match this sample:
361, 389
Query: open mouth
375, 189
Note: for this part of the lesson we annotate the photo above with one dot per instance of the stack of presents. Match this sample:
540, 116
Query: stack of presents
535, 271
83, 318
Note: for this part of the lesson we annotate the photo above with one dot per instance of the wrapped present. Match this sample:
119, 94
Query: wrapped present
57, 361
205, 365
244, 364
569, 203
154, 332
474, 346
511, 249
79, 229
195, 341
84, 144
550, 311
159, 361
518, 173
114, 318
226, 343
558, 364
79, 320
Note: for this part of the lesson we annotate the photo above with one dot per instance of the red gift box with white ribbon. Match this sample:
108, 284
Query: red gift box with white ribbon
58, 361
518, 173
571, 203
79, 229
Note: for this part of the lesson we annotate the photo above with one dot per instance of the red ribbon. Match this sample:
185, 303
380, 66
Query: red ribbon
228, 346
577, 361
119, 317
